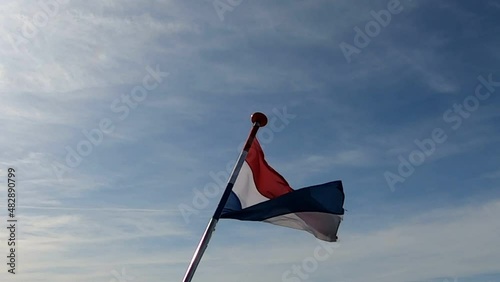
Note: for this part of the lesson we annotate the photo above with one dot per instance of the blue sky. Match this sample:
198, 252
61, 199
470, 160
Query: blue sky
199, 69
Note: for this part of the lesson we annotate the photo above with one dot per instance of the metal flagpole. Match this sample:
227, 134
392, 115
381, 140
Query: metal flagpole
258, 120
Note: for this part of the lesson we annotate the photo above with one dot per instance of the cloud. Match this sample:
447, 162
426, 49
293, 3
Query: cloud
77, 49
447, 242
118, 209
492, 175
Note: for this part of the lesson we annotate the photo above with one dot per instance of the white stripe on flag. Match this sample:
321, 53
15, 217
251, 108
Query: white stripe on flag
323, 226
245, 188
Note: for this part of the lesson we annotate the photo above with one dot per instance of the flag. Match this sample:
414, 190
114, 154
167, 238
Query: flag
262, 194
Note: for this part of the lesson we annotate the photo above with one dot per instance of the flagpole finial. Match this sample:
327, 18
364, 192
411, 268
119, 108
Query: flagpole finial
259, 118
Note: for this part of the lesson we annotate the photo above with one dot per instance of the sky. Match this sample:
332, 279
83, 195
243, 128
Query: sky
122, 119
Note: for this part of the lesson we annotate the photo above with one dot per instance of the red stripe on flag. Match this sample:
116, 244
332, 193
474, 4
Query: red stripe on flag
269, 182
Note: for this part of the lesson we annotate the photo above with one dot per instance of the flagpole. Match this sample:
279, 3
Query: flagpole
259, 120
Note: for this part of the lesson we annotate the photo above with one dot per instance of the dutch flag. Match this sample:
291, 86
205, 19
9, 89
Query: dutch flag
262, 194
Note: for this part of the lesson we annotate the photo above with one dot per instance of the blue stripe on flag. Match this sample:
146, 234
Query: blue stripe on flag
326, 198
